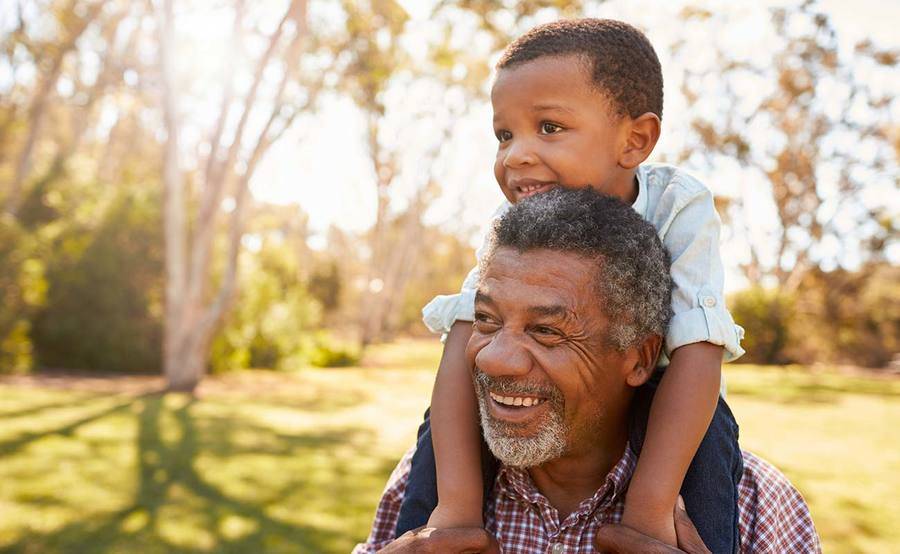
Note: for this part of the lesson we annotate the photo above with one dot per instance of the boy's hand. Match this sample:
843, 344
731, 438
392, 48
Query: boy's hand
650, 522
444, 517
427, 540
622, 540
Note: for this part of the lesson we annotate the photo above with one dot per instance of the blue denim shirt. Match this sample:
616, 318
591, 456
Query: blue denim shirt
681, 209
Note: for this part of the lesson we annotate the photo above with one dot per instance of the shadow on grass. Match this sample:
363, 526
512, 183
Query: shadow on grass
11, 446
34, 410
167, 480
794, 388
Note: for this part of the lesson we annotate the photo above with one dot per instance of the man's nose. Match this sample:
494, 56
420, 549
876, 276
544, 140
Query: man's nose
504, 356
519, 153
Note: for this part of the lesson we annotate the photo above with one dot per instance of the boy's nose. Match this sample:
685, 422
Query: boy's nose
519, 154
504, 356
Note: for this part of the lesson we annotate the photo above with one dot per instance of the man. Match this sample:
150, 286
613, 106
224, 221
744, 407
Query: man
569, 317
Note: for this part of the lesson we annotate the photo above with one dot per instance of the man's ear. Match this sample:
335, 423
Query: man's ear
645, 361
643, 132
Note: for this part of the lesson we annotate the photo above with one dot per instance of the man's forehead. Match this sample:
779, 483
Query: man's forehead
539, 278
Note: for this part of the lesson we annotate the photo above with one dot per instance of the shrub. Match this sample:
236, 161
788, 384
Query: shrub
767, 316
329, 352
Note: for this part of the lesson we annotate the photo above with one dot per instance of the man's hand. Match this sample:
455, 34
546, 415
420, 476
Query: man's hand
619, 539
428, 540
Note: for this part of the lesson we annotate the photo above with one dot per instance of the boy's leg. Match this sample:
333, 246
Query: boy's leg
710, 488
420, 498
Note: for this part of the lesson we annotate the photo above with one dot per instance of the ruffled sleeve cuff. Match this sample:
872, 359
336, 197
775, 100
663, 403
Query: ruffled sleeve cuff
444, 310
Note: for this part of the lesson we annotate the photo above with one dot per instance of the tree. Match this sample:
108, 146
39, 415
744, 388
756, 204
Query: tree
191, 315
818, 133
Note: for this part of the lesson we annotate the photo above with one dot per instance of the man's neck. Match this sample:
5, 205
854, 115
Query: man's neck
567, 481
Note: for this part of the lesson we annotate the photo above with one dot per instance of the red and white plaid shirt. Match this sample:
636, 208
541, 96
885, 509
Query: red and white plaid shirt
773, 517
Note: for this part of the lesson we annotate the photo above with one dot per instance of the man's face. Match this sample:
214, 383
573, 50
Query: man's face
544, 374
556, 129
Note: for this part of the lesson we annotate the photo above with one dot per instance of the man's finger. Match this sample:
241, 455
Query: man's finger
620, 539
688, 538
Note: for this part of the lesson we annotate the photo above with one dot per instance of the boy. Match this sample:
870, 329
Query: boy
579, 103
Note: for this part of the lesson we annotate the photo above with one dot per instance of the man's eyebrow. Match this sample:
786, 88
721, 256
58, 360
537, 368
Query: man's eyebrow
483, 297
549, 311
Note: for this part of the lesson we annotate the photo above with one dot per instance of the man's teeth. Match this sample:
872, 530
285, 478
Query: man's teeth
516, 400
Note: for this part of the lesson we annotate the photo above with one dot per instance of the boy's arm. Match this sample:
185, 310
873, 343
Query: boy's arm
682, 409
455, 433
686, 398
455, 436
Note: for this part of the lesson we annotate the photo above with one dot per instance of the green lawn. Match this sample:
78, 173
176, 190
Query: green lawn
296, 462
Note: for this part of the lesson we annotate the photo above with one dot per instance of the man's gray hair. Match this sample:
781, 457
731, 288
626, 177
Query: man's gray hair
633, 281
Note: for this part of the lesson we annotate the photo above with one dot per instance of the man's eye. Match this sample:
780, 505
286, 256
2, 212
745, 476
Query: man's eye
503, 135
484, 321
548, 128
544, 330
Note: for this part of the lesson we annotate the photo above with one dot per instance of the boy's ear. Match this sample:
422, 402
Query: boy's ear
643, 132
645, 361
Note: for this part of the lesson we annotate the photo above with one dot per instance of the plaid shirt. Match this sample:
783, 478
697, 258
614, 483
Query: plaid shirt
773, 517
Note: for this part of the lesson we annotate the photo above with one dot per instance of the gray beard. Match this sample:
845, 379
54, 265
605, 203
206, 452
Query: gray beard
505, 439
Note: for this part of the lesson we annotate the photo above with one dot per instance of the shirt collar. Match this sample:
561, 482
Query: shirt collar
640, 203
518, 485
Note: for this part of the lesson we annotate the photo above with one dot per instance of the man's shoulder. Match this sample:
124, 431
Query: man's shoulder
774, 517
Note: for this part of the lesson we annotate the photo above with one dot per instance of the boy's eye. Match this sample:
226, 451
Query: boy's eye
548, 128
503, 135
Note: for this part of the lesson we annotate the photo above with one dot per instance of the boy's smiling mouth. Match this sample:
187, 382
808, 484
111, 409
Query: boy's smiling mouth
529, 187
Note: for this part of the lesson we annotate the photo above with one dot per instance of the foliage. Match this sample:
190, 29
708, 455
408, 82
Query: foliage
766, 316
327, 351
848, 317
272, 317
22, 290
442, 271
813, 142
82, 128
103, 309
238, 469
325, 285
837, 317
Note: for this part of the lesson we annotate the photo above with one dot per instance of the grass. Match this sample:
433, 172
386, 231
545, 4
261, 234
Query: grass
296, 462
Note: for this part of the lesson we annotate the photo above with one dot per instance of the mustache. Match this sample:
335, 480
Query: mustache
511, 387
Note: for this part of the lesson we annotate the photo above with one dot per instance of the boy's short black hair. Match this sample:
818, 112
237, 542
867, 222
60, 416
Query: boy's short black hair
623, 62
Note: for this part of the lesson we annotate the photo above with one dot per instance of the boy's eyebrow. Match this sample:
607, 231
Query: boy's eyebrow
548, 107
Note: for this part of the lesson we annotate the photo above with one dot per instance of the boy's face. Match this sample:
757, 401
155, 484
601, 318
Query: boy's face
556, 129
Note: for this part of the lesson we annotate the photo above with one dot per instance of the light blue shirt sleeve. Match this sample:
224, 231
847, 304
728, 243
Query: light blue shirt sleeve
689, 228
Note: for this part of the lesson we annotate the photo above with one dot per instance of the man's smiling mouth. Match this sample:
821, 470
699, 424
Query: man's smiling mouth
525, 401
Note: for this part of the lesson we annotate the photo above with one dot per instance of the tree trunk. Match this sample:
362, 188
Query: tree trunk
191, 318
174, 219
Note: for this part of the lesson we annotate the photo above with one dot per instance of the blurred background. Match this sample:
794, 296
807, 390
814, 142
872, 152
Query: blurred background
219, 220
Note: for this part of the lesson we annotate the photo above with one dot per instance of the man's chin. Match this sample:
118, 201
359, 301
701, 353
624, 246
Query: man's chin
521, 446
